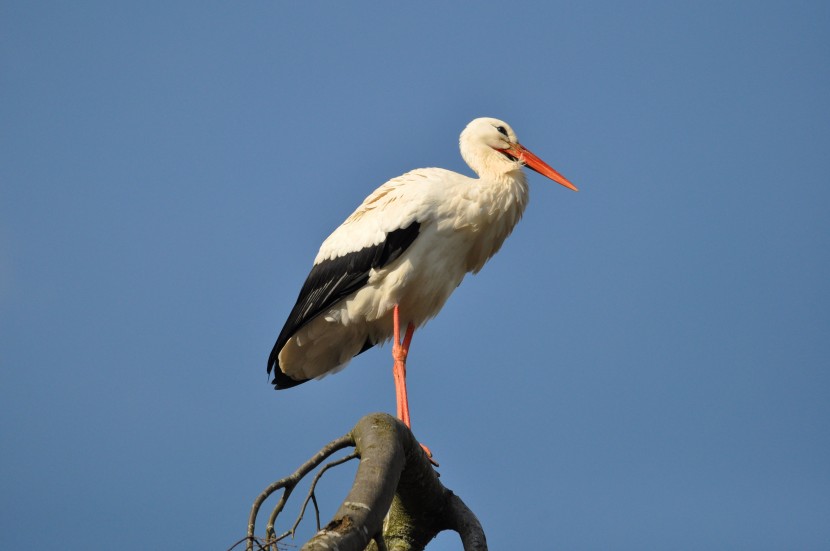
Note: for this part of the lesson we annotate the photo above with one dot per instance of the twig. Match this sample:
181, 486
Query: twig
310, 495
288, 483
316, 510
261, 543
394, 480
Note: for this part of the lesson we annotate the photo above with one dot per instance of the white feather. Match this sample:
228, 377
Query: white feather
463, 222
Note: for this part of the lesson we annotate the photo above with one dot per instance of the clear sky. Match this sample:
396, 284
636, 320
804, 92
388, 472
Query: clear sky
644, 365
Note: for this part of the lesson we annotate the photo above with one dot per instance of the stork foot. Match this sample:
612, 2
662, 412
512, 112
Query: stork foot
428, 453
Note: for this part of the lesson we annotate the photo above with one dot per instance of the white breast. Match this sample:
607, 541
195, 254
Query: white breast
464, 221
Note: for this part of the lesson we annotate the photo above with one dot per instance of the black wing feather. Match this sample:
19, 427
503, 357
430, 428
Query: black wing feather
333, 280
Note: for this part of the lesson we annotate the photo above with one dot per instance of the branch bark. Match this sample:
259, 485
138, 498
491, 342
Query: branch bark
396, 502
395, 480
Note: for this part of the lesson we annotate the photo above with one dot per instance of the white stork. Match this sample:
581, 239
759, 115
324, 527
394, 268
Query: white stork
401, 254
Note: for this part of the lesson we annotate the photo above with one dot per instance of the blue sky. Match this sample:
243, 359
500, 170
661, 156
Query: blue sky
643, 365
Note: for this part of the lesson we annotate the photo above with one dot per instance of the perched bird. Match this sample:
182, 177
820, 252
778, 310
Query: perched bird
394, 262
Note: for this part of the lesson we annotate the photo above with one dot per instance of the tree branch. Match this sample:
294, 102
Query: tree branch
310, 495
395, 481
395, 476
288, 483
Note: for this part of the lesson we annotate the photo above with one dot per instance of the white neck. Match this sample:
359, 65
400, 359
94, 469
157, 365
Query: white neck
502, 200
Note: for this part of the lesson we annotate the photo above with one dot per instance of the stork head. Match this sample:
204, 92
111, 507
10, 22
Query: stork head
491, 148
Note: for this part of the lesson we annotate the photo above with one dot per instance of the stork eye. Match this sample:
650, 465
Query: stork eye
502, 130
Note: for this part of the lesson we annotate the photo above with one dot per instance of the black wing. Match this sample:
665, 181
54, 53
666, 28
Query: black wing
333, 280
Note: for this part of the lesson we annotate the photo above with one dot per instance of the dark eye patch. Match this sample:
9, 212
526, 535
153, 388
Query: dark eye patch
502, 130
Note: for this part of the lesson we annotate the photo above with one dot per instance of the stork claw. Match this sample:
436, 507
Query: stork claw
428, 453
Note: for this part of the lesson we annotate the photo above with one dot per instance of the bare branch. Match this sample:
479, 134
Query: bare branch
378, 440
288, 483
394, 481
395, 475
310, 495
462, 520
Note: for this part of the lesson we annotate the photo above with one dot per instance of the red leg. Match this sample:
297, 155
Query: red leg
400, 349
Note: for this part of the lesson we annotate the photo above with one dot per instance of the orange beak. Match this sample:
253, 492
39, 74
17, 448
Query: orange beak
527, 158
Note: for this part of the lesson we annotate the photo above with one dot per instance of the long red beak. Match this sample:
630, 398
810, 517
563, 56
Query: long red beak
532, 161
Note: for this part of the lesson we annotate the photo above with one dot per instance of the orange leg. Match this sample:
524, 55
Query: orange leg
400, 349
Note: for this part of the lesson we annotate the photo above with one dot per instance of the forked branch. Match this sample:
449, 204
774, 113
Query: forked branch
394, 481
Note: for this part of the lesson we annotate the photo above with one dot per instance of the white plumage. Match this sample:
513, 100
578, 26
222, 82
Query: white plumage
409, 244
